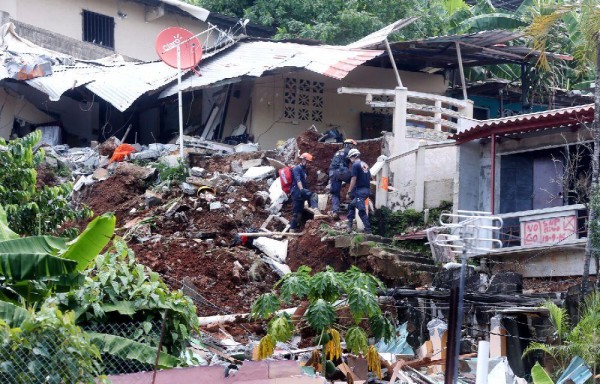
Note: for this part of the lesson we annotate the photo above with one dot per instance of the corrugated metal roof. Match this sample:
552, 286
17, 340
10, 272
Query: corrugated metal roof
253, 58
375, 39
555, 118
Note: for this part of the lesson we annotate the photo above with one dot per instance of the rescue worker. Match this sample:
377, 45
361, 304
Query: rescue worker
300, 192
339, 171
360, 186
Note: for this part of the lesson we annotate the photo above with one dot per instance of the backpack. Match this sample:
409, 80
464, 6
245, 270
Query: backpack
285, 176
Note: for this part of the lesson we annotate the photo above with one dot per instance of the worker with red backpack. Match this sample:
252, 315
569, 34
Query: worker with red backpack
300, 192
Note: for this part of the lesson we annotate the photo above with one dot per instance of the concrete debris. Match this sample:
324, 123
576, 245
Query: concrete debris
189, 189
152, 199
246, 147
259, 173
246, 165
107, 148
100, 174
171, 161
272, 248
197, 172
215, 205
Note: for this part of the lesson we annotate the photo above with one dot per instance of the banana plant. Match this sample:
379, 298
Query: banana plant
33, 267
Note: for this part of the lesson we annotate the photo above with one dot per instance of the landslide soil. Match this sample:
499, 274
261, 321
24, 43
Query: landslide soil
197, 249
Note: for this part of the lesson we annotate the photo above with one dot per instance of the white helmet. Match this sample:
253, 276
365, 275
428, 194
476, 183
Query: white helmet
353, 153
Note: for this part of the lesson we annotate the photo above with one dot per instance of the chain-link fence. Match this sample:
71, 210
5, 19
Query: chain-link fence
83, 355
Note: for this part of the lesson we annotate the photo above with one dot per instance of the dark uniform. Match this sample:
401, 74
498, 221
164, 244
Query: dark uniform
299, 196
360, 193
338, 172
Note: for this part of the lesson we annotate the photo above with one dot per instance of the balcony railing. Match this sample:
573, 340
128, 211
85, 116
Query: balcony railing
550, 226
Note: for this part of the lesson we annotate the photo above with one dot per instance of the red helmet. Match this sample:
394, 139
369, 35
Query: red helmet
306, 156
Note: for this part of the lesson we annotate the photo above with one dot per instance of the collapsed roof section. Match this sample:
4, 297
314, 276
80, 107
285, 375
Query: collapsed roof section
254, 58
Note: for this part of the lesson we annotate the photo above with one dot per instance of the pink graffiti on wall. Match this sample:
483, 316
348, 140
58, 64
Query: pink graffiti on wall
549, 231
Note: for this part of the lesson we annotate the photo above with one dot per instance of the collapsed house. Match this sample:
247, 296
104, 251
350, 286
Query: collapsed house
253, 94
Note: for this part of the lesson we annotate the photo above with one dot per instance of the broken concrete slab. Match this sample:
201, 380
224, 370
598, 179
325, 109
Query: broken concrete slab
145, 155
259, 173
246, 165
189, 189
246, 147
83, 181
277, 267
274, 249
197, 172
100, 174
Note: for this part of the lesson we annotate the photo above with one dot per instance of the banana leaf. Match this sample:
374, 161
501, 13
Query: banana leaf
90, 243
5, 232
131, 350
34, 258
13, 315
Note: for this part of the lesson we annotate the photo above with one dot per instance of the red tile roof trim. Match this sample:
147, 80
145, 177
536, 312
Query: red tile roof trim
556, 118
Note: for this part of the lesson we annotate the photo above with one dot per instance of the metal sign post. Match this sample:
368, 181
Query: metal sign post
174, 38
470, 233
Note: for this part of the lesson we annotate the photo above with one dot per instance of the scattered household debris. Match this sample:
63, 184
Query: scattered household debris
218, 229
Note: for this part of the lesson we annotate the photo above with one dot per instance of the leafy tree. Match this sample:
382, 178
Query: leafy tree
46, 347
31, 210
581, 340
327, 292
335, 21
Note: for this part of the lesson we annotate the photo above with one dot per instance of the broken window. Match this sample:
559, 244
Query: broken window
99, 29
303, 100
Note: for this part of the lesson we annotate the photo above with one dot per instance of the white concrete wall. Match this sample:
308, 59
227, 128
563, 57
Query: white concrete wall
134, 37
14, 106
269, 126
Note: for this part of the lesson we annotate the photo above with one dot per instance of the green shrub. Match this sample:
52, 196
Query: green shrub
387, 223
31, 210
175, 175
119, 290
47, 347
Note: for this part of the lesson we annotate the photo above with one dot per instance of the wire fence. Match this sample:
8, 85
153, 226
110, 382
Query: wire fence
111, 353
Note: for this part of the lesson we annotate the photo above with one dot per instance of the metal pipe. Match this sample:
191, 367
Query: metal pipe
459, 314
462, 73
483, 362
493, 170
179, 101
389, 50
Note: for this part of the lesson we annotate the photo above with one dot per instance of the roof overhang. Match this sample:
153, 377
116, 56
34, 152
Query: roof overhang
557, 118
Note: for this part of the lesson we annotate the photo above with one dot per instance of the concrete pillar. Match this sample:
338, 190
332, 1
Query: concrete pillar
399, 122
497, 340
381, 192
420, 172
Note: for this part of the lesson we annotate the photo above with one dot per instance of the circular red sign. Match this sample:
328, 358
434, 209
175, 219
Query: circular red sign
189, 46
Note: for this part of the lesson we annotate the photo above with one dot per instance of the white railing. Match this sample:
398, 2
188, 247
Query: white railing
440, 113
